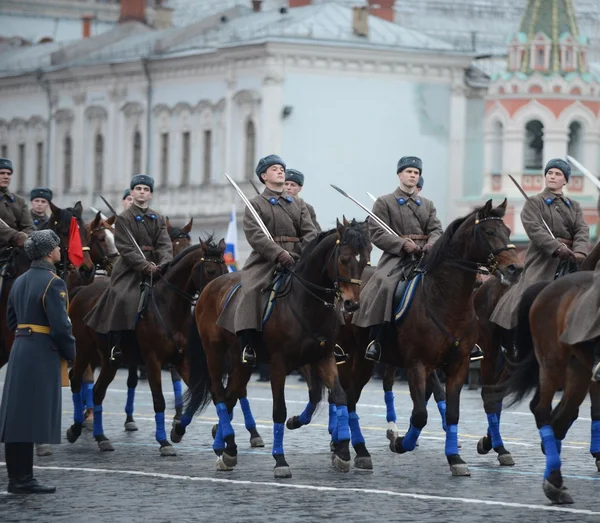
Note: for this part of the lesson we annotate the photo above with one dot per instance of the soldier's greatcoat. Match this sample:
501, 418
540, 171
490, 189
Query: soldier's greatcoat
31, 400
313, 216
412, 217
565, 219
39, 220
117, 307
14, 212
289, 222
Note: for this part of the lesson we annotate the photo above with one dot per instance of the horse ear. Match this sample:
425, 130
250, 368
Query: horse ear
110, 221
339, 226
222, 245
78, 208
501, 209
188, 227
55, 210
487, 208
96, 221
346, 222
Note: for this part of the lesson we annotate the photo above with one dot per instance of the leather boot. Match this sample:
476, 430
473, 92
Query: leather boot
596, 366
24, 482
374, 349
248, 341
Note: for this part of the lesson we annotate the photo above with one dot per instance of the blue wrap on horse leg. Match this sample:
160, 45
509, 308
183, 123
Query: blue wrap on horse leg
442, 409
161, 434
451, 440
307, 414
551, 450
390, 408
130, 400
343, 429
357, 437
224, 420
332, 418
219, 442
248, 417
494, 430
595, 442
409, 442
89, 395
278, 430
178, 391
77, 408
98, 427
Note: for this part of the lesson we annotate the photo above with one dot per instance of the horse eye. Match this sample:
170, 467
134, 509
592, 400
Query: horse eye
103, 239
490, 233
345, 259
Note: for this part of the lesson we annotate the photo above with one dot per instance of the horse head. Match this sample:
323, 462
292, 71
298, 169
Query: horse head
103, 250
180, 236
509, 265
211, 265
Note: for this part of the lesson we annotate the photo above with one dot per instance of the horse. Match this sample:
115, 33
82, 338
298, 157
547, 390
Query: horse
103, 250
180, 236
159, 338
301, 330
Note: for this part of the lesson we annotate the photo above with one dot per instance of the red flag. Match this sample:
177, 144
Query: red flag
75, 249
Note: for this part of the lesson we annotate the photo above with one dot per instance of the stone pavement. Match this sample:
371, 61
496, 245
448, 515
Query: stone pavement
135, 484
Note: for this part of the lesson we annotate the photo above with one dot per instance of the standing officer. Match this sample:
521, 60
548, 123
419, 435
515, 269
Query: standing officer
40, 202
38, 312
13, 211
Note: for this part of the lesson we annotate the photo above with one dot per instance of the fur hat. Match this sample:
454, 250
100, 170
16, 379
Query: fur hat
5, 163
142, 179
40, 192
126, 193
292, 175
561, 165
409, 161
40, 244
265, 163
421, 182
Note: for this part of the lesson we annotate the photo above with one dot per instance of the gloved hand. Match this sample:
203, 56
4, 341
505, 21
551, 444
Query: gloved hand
19, 239
580, 257
285, 259
427, 247
411, 247
564, 253
151, 269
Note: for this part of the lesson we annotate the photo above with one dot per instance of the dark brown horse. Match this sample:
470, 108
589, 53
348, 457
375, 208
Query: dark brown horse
301, 331
103, 250
160, 336
180, 236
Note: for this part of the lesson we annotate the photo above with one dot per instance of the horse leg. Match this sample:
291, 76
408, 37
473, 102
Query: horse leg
278, 374
74, 431
389, 377
439, 395
178, 391
132, 381
107, 374
362, 372
153, 371
224, 444
87, 392
595, 415
256, 440
315, 395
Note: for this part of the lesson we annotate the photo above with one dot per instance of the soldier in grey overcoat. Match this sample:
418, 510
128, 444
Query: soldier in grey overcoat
116, 310
40, 199
571, 239
13, 211
415, 220
289, 223
294, 183
31, 401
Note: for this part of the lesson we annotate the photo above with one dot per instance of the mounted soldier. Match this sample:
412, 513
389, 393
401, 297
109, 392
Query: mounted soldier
415, 220
137, 228
294, 183
127, 199
40, 198
289, 222
569, 239
13, 211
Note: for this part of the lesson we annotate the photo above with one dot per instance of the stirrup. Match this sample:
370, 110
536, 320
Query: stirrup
596, 372
341, 356
249, 359
368, 357
476, 353
118, 355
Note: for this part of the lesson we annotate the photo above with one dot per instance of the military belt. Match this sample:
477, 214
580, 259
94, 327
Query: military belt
147, 248
415, 236
26, 329
286, 239
564, 241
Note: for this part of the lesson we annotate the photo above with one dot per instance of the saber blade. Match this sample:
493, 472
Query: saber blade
249, 206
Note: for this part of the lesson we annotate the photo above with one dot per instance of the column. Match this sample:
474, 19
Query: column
79, 143
226, 147
456, 152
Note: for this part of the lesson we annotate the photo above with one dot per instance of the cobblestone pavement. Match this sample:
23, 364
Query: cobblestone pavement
135, 484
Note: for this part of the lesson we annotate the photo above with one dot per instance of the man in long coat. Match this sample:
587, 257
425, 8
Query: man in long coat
31, 401
116, 310
40, 198
289, 222
415, 220
294, 183
13, 211
571, 239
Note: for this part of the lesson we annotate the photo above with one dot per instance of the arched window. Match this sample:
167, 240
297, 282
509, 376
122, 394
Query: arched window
575, 147
250, 149
98, 161
67, 163
137, 153
534, 145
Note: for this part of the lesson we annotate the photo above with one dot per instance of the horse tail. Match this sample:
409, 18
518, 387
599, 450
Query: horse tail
524, 369
198, 395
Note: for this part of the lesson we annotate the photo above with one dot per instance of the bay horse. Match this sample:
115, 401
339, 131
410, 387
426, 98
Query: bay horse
160, 337
180, 236
103, 250
301, 330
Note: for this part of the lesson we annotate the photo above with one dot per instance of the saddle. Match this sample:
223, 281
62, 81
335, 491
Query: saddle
565, 267
405, 289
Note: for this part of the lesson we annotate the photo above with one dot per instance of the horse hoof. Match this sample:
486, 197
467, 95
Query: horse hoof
332, 446
482, 447
460, 469
214, 431
257, 442
43, 450
176, 437
73, 434
506, 460
88, 424
391, 434
363, 463
221, 467
130, 426
167, 450
106, 446
558, 496
598, 464
230, 461
340, 464
282, 472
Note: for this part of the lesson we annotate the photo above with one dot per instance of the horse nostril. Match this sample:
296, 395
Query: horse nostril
350, 305
511, 269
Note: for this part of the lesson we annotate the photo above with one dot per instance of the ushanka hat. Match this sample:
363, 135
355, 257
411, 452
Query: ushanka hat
40, 192
265, 163
40, 244
561, 165
409, 161
293, 175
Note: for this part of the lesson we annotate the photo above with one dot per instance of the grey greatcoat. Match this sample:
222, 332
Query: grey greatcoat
412, 217
565, 219
116, 309
313, 216
31, 400
14, 212
288, 221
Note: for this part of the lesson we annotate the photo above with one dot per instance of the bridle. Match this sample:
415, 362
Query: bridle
106, 260
65, 265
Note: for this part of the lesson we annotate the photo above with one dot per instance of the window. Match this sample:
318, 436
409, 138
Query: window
98, 162
575, 146
21, 186
137, 153
250, 148
185, 159
497, 148
534, 145
164, 157
4, 151
207, 156
540, 62
39, 166
67, 163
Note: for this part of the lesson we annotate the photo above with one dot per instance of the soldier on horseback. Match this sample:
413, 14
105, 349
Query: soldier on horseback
289, 222
127, 199
40, 202
294, 183
415, 220
137, 228
13, 211
568, 240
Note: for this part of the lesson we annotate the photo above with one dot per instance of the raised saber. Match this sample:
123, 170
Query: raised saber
4, 223
102, 216
584, 171
371, 196
252, 210
110, 208
527, 198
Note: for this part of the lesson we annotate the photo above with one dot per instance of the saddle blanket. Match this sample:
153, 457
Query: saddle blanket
403, 296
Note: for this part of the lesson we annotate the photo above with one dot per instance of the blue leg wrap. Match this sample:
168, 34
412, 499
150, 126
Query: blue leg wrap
410, 440
343, 430
219, 442
494, 430
77, 408
98, 428
307, 413
130, 400
89, 395
451, 440
595, 443
332, 418
559, 446
177, 389
161, 434
278, 429
499, 410
551, 449
357, 437
442, 408
248, 417
390, 409
224, 420
186, 419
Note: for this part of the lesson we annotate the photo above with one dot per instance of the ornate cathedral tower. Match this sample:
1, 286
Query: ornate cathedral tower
545, 105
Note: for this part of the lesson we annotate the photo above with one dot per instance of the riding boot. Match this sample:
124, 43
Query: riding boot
476, 353
374, 349
596, 366
248, 341
116, 352
24, 482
